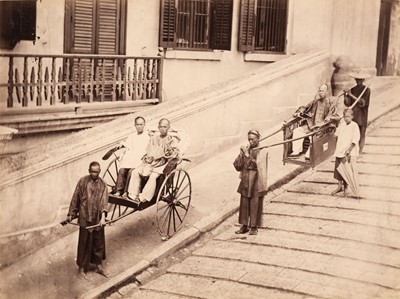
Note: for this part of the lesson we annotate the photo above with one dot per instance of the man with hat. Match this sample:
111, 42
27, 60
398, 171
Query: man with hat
361, 108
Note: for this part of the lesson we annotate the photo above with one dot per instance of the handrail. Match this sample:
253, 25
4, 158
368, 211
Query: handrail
36, 80
93, 56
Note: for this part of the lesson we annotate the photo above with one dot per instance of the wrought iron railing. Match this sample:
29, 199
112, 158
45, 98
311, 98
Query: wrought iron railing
39, 80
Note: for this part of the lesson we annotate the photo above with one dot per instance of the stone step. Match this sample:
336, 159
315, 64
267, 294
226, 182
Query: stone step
150, 294
335, 229
209, 287
321, 244
307, 261
379, 140
364, 180
272, 276
335, 202
385, 132
365, 168
380, 159
382, 193
360, 217
381, 150
391, 124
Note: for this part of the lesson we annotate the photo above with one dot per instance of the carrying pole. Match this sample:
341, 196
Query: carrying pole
361, 94
286, 141
272, 134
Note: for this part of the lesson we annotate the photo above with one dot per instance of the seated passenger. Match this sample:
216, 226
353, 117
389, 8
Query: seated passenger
316, 113
136, 146
160, 150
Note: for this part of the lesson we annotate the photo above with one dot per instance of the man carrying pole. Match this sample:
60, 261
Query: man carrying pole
360, 108
89, 205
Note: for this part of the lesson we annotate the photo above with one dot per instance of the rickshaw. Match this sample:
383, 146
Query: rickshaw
172, 196
321, 141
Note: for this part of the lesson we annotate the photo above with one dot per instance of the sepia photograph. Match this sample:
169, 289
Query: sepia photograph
205, 149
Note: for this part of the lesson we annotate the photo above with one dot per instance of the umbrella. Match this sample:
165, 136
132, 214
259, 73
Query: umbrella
348, 171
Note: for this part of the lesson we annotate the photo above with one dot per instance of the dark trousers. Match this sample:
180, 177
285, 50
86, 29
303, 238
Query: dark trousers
122, 179
336, 173
250, 210
91, 248
361, 144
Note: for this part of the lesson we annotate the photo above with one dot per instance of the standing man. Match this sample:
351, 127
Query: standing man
316, 113
89, 204
160, 150
361, 108
136, 146
253, 168
346, 147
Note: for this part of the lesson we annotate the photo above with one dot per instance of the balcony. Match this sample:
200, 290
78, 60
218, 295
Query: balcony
42, 93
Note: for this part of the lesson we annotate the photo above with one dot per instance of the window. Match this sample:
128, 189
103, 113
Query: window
196, 24
17, 22
95, 26
263, 26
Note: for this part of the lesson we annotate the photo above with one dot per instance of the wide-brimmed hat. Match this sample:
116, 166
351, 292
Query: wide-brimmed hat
359, 74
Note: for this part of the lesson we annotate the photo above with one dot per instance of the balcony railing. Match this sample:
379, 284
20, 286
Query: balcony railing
43, 80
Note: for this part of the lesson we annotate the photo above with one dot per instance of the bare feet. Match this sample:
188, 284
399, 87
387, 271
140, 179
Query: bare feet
81, 273
100, 270
338, 189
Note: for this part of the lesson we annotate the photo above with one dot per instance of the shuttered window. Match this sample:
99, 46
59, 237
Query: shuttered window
263, 25
196, 24
17, 22
95, 26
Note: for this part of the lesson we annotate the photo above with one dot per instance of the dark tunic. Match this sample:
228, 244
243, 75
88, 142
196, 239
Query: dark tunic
361, 108
251, 200
89, 200
317, 111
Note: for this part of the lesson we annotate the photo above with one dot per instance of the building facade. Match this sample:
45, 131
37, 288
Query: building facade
105, 58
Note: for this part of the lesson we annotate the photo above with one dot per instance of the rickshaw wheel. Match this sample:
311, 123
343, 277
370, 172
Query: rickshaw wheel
173, 202
110, 177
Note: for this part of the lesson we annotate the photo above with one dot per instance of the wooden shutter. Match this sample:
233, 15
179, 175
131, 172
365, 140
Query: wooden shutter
81, 17
222, 24
247, 25
108, 29
167, 23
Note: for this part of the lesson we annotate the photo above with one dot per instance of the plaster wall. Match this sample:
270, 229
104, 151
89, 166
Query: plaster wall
195, 69
355, 31
312, 25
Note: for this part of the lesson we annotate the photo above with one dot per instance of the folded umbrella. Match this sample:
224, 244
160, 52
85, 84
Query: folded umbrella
348, 171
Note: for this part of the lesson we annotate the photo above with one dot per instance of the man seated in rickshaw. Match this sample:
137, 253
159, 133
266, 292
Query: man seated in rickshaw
135, 145
161, 149
316, 113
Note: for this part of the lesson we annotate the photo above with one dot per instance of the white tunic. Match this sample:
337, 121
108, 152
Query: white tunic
136, 148
347, 134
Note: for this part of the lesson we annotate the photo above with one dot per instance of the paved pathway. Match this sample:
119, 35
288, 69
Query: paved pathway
311, 244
